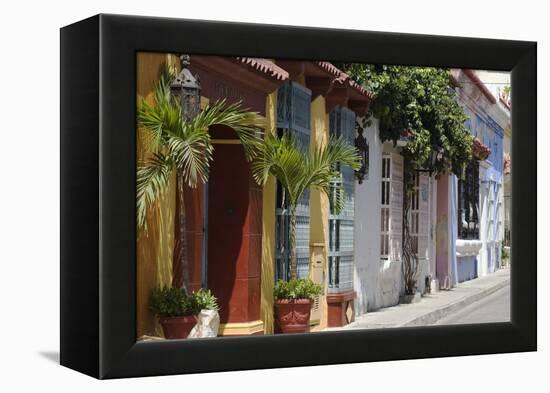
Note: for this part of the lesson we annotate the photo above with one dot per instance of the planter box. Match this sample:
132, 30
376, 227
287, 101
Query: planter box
340, 308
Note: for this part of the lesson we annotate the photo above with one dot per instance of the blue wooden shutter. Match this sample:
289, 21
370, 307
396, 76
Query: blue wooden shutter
293, 116
341, 226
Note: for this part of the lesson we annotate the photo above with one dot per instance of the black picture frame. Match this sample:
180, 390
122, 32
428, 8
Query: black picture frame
98, 236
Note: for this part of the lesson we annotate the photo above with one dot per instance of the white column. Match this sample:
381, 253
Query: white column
482, 261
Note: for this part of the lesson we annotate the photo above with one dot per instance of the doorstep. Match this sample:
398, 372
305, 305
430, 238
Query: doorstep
241, 328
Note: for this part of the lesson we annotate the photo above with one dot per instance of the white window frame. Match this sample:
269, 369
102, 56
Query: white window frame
414, 213
385, 207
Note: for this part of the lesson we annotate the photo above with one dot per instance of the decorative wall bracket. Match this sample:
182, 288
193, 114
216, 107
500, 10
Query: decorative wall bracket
363, 148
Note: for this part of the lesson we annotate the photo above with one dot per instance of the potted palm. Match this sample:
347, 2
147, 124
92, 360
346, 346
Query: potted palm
298, 169
293, 301
177, 311
176, 143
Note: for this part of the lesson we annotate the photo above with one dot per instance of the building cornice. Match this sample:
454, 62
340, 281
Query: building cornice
480, 85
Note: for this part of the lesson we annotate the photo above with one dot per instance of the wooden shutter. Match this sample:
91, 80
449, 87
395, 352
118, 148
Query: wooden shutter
424, 216
396, 207
293, 116
341, 226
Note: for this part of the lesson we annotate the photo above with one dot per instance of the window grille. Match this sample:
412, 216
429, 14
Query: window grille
507, 227
468, 202
341, 225
293, 116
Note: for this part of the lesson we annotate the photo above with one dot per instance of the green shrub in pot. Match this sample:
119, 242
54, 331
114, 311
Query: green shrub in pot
177, 310
293, 302
205, 300
298, 288
172, 302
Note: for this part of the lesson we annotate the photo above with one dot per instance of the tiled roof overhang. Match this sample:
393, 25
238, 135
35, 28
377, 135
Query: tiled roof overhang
259, 74
324, 78
265, 66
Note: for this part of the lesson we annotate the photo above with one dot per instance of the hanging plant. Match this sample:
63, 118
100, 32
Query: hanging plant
480, 151
417, 102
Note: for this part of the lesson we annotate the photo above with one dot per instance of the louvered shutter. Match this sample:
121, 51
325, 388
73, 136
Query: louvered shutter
341, 226
424, 216
396, 207
293, 115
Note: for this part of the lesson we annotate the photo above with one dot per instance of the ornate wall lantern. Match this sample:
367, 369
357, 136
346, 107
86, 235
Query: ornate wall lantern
187, 89
435, 154
363, 148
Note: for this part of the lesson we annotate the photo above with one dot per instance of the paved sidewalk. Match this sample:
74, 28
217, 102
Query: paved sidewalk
433, 306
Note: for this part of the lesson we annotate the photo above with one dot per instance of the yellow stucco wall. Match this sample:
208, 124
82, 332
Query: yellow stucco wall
155, 243
319, 204
268, 228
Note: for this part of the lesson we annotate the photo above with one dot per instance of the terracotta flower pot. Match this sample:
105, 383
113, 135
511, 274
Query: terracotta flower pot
177, 327
292, 315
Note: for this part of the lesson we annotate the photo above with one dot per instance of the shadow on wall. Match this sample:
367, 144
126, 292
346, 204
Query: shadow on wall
155, 245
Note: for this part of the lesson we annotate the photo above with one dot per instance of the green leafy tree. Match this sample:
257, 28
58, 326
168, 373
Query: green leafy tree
298, 170
184, 147
416, 103
507, 91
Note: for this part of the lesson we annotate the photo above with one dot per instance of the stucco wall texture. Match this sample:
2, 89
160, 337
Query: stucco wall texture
377, 282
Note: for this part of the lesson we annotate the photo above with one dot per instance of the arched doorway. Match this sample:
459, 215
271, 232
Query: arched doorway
234, 232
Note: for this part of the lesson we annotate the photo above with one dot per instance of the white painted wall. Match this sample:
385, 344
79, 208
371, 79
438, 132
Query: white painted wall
377, 283
367, 223
482, 261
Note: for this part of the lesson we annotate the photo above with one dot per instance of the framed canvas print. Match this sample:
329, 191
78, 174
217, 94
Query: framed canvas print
241, 196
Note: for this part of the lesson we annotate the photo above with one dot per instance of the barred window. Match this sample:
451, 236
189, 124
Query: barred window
468, 202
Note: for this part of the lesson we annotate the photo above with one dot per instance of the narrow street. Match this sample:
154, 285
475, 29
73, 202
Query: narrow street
482, 300
493, 308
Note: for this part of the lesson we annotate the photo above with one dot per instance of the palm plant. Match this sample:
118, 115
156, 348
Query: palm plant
298, 170
184, 146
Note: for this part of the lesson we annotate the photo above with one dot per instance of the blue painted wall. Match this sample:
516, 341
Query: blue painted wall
467, 268
491, 134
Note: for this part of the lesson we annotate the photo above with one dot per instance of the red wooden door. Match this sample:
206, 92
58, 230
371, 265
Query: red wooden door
234, 232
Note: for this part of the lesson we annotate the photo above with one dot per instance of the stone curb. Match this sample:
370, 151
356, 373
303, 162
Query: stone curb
432, 317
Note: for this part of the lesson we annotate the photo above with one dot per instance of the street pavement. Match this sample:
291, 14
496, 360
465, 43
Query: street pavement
484, 299
494, 308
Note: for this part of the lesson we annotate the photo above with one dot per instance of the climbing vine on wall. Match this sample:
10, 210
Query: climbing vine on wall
416, 104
